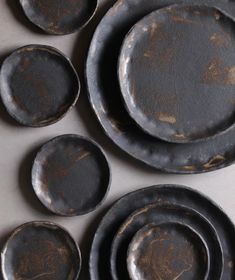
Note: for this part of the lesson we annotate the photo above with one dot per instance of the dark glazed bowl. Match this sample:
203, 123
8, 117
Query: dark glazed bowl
59, 17
71, 175
42, 251
168, 251
39, 85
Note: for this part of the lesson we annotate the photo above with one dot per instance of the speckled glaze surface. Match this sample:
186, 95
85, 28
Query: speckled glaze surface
165, 213
40, 250
105, 98
59, 17
176, 72
39, 85
71, 175
168, 251
162, 194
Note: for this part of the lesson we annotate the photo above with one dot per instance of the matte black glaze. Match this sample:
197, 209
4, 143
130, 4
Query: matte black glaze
168, 251
38, 85
59, 17
42, 251
161, 213
167, 194
177, 73
105, 98
71, 175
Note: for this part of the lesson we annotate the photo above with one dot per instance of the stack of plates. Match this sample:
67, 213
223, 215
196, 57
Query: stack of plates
164, 232
161, 80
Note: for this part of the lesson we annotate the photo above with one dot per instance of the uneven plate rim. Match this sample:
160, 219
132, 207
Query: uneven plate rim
73, 30
45, 224
133, 112
182, 225
48, 49
97, 147
116, 204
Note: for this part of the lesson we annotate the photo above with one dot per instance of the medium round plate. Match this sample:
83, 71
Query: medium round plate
38, 85
40, 250
158, 214
167, 194
71, 175
177, 73
105, 98
167, 251
59, 17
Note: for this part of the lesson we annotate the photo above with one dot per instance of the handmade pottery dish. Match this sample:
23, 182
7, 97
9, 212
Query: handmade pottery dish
40, 250
39, 85
168, 251
59, 17
71, 175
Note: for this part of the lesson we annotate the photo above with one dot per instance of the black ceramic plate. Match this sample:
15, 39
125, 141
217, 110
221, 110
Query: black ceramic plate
59, 17
42, 251
162, 213
38, 85
71, 175
177, 73
167, 251
171, 194
105, 98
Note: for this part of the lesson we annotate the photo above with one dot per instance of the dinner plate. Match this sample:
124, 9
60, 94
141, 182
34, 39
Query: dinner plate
71, 175
39, 85
176, 72
167, 194
105, 98
59, 17
40, 250
165, 213
167, 251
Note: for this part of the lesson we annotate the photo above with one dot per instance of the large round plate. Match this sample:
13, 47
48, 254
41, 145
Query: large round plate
176, 72
105, 98
168, 251
40, 250
177, 195
158, 213
59, 17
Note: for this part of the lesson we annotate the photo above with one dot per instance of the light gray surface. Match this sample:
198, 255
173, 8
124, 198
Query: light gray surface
18, 203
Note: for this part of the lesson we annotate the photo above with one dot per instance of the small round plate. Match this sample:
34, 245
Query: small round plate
177, 73
38, 85
71, 175
59, 17
168, 251
42, 251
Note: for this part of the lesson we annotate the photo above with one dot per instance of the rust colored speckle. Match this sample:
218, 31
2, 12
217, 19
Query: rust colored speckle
217, 15
217, 73
214, 161
231, 264
180, 136
180, 19
163, 117
220, 40
189, 167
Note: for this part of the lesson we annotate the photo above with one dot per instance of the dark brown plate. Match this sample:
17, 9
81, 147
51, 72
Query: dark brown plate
59, 17
105, 98
167, 194
42, 251
168, 251
71, 175
161, 213
177, 73
38, 85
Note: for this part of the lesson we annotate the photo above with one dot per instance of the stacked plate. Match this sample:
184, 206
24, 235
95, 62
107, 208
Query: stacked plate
164, 232
161, 79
